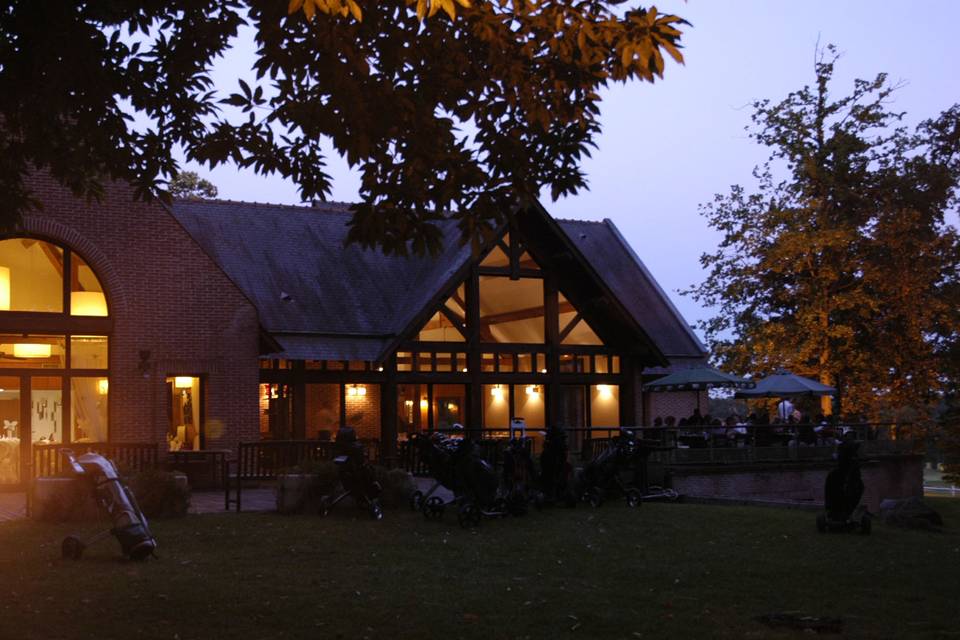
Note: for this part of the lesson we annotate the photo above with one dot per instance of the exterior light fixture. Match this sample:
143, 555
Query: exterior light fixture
497, 392
464, 369
424, 404
182, 382
532, 390
356, 390
103, 385
543, 370
605, 391
31, 350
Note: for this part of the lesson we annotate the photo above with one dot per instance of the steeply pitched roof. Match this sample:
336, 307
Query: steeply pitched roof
629, 279
322, 300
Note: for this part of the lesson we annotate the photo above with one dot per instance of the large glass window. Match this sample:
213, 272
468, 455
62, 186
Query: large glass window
86, 294
528, 404
573, 328
511, 310
46, 409
88, 352
449, 405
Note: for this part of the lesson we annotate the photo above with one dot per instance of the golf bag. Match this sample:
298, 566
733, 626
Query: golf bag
115, 500
356, 475
519, 475
842, 493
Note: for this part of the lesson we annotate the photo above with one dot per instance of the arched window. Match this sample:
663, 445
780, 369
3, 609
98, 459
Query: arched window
54, 351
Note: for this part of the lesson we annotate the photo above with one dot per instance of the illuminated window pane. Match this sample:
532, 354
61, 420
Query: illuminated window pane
31, 276
358, 365
600, 364
439, 329
496, 406
529, 404
583, 366
46, 405
615, 364
506, 362
578, 333
335, 365
511, 310
404, 361
487, 362
88, 352
424, 362
542, 362
185, 426
32, 352
322, 410
524, 363
88, 409
86, 294
449, 405
11, 426
444, 362
497, 257
605, 405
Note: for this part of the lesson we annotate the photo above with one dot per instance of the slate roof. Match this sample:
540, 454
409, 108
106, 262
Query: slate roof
322, 300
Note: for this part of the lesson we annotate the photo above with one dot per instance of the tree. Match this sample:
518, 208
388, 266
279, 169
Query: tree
187, 184
462, 114
845, 268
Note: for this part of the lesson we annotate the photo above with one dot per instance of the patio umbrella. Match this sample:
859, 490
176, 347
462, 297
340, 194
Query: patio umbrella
697, 379
786, 385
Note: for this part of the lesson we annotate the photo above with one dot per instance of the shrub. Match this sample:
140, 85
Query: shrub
397, 485
159, 494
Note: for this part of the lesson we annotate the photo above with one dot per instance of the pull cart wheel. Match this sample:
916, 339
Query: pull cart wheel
72, 548
376, 511
433, 509
468, 516
415, 499
634, 498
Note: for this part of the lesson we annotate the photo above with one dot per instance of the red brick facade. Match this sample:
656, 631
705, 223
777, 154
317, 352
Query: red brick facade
166, 297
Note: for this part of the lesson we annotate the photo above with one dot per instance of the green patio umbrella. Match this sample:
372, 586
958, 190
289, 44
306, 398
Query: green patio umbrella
784, 384
698, 379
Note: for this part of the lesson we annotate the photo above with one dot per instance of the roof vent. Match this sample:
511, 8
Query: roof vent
286, 297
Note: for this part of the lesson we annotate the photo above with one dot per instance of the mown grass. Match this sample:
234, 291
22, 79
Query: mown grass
664, 570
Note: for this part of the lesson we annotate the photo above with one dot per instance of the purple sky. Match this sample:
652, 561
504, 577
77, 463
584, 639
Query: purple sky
668, 147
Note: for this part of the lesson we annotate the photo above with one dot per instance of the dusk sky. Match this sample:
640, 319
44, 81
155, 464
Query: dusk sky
669, 147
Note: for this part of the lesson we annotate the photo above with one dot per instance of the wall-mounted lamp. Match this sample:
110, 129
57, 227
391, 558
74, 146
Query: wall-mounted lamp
182, 382
424, 404
497, 392
605, 391
103, 386
356, 390
533, 390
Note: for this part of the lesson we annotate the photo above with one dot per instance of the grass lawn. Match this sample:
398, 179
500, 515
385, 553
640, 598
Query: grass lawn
664, 570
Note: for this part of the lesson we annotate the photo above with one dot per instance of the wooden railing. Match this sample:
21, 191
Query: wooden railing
129, 457
266, 459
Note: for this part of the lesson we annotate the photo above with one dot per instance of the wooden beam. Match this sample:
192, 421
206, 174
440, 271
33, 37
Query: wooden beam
522, 314
567, 329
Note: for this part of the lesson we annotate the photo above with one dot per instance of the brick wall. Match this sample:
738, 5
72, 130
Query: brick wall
679, 404
167, 297
885, 477
363, 412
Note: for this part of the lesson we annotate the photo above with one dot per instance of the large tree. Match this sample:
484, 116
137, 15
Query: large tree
460, 114
840, 263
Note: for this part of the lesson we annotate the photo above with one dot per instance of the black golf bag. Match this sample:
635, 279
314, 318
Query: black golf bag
842, 493
519, 475
556, 472
115, 500
601, 477
436, 451
357, 477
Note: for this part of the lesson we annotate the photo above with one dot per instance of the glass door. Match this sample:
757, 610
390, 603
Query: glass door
11, 426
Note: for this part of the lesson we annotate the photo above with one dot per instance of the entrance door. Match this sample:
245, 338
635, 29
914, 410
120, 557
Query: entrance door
13, 447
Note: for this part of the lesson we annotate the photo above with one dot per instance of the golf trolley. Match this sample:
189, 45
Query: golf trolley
602, 476
519, 474
115, 500
456, 464
356, 475
843, 491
